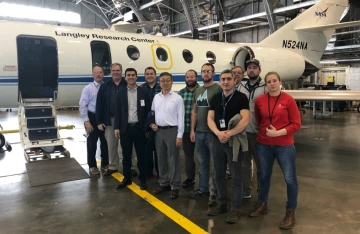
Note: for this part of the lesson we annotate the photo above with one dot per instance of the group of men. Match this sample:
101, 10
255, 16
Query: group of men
215, 120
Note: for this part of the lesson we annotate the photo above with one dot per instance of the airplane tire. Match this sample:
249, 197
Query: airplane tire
2, 141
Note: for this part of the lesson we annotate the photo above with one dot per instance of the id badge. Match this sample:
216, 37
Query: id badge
222, 123
142, 102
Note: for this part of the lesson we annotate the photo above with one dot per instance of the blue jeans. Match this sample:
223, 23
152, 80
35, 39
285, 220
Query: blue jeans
203, 149
285, 155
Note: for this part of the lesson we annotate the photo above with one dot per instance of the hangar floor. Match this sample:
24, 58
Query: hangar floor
328, 169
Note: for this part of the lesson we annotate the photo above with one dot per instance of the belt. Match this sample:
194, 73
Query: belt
133, 124
166, 127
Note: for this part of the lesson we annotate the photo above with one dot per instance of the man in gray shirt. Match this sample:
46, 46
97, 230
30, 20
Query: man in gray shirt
201, 133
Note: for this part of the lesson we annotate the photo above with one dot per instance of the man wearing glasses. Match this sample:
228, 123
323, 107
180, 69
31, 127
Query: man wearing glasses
105, 111
203, 136
169, 127
239, 75
87, 105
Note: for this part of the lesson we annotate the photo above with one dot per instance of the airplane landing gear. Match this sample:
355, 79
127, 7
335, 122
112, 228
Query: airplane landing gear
3, 143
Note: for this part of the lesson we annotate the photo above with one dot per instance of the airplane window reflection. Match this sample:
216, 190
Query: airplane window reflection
211, 57
133, 52
161, 54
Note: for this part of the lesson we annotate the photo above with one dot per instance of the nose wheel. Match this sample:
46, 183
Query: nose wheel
3, 143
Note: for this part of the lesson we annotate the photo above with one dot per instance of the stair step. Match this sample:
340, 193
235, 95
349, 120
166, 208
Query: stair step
40, 122
38, 111
38, 134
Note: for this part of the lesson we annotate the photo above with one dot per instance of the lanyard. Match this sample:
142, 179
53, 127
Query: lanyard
272, 113
97, 87
226, 102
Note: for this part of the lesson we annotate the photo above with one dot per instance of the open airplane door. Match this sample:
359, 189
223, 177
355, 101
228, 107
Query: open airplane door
242, 55
162, 57
38, 67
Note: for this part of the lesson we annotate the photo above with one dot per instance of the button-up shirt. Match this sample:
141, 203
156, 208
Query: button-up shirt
132, 105
152, 91
188, 97
88, 99
169, 111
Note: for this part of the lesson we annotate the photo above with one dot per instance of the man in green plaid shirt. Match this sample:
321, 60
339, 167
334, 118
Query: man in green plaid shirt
154, 88
187, 94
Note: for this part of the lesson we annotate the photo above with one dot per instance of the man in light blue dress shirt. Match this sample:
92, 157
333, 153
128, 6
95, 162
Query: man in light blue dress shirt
87, 106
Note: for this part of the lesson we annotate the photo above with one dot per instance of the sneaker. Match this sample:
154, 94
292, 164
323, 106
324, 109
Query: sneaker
233, 216
213, 211
188, 183
94, 171
212, 200
197, 193
246, 196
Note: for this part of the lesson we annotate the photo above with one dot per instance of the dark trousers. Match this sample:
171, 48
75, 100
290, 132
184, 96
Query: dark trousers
189, 150
223, 155
151, 156
133, 136
91, 144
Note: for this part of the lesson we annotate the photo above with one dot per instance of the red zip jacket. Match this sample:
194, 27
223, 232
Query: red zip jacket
284, 115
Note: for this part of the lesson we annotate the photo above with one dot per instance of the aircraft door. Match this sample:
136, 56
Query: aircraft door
241, 55
161, 56
38, 66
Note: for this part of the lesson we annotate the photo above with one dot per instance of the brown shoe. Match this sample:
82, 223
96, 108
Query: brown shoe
162, 189
233, 216
260, 208
289, 220
216, 210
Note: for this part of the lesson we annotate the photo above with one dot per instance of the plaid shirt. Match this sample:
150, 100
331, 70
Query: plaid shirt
188, 97
152, 91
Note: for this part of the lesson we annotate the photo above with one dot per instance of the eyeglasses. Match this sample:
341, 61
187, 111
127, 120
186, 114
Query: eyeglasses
165, 81
206, 71
115, 70
98, 73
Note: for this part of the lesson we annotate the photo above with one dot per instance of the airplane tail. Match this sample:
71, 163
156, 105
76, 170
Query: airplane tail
309, 33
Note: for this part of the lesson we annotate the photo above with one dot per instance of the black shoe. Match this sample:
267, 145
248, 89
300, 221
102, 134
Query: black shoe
162, 189
123, 184
188, 183
143, 185
197, 193
233, 216
109, 172
174, 194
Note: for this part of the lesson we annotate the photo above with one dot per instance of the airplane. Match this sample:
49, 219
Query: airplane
39, 60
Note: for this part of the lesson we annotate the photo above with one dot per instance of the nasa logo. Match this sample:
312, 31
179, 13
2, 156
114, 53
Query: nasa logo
320, 13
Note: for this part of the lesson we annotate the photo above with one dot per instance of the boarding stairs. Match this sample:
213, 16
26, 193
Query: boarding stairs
39, 133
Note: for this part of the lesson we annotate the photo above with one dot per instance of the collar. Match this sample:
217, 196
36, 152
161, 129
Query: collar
256, 84
156, 83
96, 84
131, 89
171, 92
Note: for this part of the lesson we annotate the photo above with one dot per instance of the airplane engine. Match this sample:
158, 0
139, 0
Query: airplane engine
289, 65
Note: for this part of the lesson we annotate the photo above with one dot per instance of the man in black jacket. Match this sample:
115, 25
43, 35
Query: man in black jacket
105, 112
132, 107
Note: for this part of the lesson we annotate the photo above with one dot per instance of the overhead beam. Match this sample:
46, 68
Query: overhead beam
270, 16
249, 17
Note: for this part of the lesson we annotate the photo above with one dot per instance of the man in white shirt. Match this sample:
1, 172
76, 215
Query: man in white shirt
169, 127
87, 106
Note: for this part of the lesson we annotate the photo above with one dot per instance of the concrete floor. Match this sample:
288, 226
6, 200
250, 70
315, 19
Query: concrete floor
328, 169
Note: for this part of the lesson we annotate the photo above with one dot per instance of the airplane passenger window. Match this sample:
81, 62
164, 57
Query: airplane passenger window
188, 56
133, 52
101, 56
161, 54
211, 57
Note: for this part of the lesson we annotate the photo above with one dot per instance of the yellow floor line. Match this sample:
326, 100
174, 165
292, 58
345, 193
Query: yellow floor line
165, 209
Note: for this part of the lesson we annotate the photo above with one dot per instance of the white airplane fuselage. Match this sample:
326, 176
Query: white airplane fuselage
75, 57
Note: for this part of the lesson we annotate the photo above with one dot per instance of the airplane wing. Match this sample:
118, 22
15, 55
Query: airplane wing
324, 95
329, 26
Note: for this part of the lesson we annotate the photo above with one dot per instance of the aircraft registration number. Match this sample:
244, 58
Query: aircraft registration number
290, 44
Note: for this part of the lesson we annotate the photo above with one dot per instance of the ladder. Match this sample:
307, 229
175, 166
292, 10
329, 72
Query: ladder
39, 132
